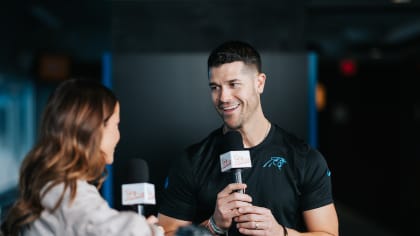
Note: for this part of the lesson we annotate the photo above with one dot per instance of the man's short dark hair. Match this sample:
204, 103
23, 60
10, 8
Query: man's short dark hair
232, 51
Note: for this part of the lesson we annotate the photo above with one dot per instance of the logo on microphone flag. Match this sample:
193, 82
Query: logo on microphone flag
235, 159
140, 193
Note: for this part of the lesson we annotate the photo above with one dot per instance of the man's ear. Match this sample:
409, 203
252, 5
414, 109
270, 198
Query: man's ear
260, 82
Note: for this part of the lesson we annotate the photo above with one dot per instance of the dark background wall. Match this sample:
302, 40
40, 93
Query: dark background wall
166, 105
368, 129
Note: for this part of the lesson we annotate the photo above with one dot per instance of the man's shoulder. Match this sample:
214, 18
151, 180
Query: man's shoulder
287, 136
209, 141
289, 141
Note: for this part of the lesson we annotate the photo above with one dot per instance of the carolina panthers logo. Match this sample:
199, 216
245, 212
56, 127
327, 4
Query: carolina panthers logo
278, 162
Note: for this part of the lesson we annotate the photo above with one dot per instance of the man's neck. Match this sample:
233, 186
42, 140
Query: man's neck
254, 134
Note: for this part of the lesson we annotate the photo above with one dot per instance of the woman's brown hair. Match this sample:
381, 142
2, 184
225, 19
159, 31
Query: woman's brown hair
68, 148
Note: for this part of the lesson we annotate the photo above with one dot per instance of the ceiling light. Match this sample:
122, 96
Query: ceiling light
400, 1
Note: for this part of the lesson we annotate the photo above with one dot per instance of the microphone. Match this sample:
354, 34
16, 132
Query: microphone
135, 190
233, 156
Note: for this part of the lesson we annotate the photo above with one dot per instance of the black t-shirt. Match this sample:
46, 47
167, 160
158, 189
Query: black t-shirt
287, 177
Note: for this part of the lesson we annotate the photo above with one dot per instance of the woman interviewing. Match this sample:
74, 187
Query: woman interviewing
60, 176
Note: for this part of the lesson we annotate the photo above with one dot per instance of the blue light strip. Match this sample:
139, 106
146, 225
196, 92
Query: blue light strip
107, 187
312, 121
107, 69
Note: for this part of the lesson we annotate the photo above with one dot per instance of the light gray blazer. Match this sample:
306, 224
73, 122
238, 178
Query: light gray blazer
88, 214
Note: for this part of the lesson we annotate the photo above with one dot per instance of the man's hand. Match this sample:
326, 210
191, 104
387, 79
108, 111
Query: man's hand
253, 220
227, 204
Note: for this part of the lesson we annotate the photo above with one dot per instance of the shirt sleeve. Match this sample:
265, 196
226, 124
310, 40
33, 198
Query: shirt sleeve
316, 186
178, 196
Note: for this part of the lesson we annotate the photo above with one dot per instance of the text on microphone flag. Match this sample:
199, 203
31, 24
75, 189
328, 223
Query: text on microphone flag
235, 159
141, 193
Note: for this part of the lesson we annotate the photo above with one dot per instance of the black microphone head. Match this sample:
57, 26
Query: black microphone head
135, 170
232, 141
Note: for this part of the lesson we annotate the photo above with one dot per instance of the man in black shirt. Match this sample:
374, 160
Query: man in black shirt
288, 188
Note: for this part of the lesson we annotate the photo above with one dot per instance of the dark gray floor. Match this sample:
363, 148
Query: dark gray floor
353, 223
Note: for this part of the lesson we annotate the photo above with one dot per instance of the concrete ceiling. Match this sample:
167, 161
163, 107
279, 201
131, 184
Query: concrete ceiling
84, 29
332, 28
